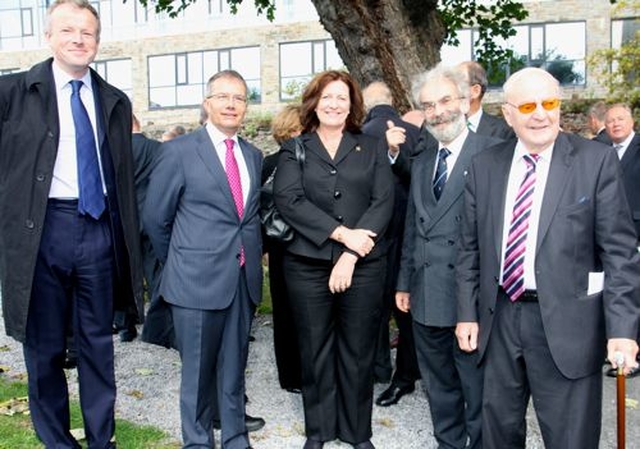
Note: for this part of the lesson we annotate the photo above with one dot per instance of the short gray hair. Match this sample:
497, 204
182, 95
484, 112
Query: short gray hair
453, 74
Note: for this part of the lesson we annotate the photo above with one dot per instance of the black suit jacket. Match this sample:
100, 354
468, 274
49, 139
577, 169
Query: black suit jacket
355, 190
630, 164
585, 227
492, 125
603, 137
29, 136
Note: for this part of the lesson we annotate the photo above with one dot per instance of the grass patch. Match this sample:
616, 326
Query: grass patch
16, 431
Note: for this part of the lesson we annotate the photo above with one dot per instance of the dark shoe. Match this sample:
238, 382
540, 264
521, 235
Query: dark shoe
127, 335
366, 445
313, 444
252, 423
612, 372
71, 362
392, 395
294, 390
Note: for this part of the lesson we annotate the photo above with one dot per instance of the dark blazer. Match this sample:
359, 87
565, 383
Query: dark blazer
28, 147
355, 189
492, 125
603, 137
432, 234
630, 165
194, 228
145, 152
585, 226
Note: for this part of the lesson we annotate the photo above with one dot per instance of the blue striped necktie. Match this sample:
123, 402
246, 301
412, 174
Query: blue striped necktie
440, 178
90, 196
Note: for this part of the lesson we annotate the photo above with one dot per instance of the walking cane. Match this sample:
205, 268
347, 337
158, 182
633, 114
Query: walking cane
620, 396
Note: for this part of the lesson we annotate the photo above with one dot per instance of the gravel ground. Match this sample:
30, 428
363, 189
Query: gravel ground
148, 388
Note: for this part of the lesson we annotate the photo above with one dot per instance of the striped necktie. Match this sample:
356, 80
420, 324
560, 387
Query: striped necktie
440, 178
513, 266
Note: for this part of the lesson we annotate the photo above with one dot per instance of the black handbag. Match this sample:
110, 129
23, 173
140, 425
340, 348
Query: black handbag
273, 224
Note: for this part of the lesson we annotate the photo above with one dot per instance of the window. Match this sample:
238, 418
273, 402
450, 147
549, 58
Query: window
116, 72
299, 61
559, 48
16, 23
180, 79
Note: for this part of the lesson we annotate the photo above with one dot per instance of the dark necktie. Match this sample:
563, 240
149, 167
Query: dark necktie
441, 172
233, 177
513, 266
90, 196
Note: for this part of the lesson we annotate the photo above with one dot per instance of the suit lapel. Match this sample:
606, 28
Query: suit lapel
422, 175
631, 153
347, 144
498, 180
556, 181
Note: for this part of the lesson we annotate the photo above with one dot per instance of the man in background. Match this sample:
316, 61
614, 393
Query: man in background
619, 126
595, 120
479, 121
378, 102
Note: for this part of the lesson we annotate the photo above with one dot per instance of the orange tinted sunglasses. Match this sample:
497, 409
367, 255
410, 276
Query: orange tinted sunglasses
527, 108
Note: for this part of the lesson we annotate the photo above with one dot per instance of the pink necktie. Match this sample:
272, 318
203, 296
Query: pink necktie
233, 177
513, 267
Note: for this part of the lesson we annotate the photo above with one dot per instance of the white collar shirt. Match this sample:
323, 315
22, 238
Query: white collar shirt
217, 138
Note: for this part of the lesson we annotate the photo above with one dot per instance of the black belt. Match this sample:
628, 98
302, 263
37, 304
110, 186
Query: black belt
526, 296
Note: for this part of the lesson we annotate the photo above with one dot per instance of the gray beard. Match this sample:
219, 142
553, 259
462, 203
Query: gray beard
450, 130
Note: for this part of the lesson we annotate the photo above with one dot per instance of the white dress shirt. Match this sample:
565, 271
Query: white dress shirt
624, 145
64, 184
455, 147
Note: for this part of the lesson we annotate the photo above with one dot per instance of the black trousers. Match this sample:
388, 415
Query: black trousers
74, 277
285, 336
518, 365
335, 335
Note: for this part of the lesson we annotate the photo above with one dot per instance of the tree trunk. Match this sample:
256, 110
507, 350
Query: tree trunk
385, 40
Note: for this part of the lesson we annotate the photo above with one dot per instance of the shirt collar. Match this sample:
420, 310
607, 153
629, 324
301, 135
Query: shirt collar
62, 78
544, 155
218, 137
474, 119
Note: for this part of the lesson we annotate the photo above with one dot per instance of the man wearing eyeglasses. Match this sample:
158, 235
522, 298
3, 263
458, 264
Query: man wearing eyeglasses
426, 283
201, 214
548, 273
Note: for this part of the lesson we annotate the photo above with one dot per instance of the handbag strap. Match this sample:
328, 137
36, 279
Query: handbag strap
300, 152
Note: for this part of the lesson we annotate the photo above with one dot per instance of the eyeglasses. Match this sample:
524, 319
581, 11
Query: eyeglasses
226, 98
430, 106
527, 108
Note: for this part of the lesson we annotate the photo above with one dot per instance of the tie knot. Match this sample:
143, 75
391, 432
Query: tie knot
76, 85
229, 143
444, 153
531, 160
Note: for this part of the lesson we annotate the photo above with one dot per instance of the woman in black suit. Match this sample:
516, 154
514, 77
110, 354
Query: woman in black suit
339, 204
285, 124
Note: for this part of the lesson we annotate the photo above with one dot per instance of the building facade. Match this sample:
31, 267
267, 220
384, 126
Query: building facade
163, 63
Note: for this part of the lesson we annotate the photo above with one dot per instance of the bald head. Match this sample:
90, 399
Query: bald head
375, 94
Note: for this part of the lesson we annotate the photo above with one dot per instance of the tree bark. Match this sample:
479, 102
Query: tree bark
385, 40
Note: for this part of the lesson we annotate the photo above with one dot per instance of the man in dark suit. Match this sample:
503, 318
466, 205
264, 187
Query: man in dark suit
548, 273
595, 120
426, 283
478, 120
378, 103
619, 129
201, 215
69, 247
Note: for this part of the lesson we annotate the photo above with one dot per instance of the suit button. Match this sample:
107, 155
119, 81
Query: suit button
491, 310
458, 218
427, 239
29, 224
333, 171
50, 135
450, 242
39, 177
450, 266
337, 194
421, 220
427, 264
340, 218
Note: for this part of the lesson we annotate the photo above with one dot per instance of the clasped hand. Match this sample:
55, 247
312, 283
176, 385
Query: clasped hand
360, 241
